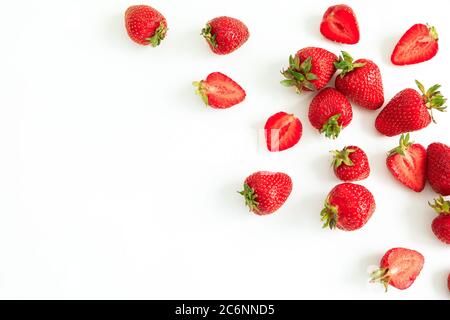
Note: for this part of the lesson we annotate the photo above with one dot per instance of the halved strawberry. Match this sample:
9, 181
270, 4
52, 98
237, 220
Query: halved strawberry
282, 131
408, 163
219, 91
399, 268
418, 44
339, 24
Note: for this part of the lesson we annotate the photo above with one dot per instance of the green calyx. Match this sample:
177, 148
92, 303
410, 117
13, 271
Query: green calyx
250, 198
160, 34
329, 215
211, 38
346, 64
201, 91
403, 145
342, 157
299, 74
332, 128
433, 32
440, 205
381, 275
433, 98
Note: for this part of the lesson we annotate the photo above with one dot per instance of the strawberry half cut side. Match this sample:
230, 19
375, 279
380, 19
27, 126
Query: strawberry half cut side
407, 163
219, 91
339, 24
399, 268
282, 131
418, 44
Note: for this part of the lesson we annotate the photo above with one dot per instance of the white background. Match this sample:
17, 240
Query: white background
116, 182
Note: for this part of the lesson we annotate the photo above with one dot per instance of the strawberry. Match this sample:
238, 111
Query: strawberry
438, 169
219, 91
339, 24
348, 207
448, 282
282, 131
399, 268
145, 25
360, 82
225, 34
311, 69
441, 224
418, 44
409, 110
265, 192
408, 163
330, 112
351, 164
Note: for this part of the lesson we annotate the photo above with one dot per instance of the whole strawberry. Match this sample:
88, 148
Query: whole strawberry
410, 110
438, 168
330, 112
441, 224
219, 91
282, 131
348, 207
418, 44
351, 164
265, 192
399, 268
360, 81
339, 24
310, 69
145, 25
225, 34
408, 163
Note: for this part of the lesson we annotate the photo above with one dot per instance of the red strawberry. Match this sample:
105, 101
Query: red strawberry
408, 163
282, 131
408, 110
218, 91
418, 44
348, 206
448, 282
360, 82
441, 224
265, 192
311, 69
330, 112
351, 164
399, 268
225, 34
145, 25
438, 169
339, 24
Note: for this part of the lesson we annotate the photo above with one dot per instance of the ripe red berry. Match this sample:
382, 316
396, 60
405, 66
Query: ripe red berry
145, 25
265, 192
441, 224
351, 164
339, 24
348, 207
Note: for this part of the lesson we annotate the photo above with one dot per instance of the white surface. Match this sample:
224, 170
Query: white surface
116, 182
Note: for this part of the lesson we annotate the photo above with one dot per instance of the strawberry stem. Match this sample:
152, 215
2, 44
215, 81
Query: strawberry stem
211, 38
433, 32
329, 215
250, 198
342, 157
346, 64
160, 34
433, 98
298, 74
332, 128
201, 91
440, 205
404, 144
381, 275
